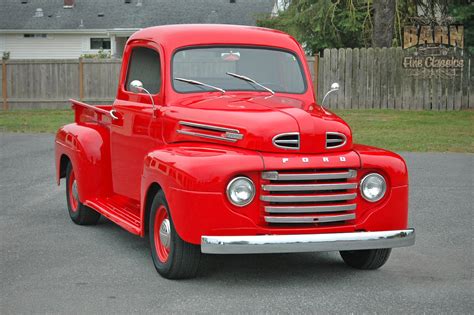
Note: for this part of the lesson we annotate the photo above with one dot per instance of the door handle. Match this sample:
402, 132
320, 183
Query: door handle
112, 114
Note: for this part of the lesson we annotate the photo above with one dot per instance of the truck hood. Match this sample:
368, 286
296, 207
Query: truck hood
253, 123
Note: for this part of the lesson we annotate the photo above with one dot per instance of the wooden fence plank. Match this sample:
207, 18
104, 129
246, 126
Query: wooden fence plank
341, 66
370, 70
442, 92
327, 75
426, 92
390, 69
400, 75
464, 82
378, 73
348, 79
458, 91
470, 83
415, 99
407, 92
449, 92
4, 85
383, 72
320, 78
355, 77
332, 98
363, 78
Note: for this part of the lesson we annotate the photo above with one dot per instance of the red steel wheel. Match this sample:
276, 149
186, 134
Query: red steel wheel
162, 234
79, 213
73, 194
173, 257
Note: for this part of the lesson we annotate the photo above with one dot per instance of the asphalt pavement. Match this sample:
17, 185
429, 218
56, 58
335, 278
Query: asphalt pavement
50, 265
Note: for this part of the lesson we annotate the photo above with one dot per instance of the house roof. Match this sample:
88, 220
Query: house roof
116, 14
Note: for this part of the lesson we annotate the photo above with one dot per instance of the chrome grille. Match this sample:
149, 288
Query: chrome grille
289, 140
335, 140
309, 196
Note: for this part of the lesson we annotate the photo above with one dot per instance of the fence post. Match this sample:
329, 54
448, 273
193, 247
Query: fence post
4, 84
316, 73
81, 79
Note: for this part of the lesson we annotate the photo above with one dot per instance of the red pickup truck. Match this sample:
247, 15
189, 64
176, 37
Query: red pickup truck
215, 145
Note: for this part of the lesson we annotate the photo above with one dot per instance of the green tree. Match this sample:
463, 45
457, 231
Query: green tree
463, 13
320, 24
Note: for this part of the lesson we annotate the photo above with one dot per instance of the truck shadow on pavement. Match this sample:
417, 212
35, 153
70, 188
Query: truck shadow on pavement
243, 269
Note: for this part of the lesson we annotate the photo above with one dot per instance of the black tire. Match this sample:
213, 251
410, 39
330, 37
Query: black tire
183, 258
366, 259
78, 212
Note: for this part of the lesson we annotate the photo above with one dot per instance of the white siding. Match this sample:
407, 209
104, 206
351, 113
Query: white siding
2, 44
55, 46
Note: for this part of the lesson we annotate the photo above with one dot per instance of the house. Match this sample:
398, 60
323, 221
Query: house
63, 29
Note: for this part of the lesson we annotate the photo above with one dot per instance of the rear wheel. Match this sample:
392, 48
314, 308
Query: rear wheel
173, 258
366, 259
79, 213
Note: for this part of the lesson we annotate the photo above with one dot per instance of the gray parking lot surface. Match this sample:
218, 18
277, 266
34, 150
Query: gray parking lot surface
50, 265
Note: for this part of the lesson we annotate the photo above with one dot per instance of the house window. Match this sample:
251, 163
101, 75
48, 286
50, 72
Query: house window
35, 35
100, 43
144, 65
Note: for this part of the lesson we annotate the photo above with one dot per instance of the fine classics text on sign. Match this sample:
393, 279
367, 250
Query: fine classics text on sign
439, 50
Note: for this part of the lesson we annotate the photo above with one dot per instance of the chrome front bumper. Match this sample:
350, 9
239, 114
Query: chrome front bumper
306, 242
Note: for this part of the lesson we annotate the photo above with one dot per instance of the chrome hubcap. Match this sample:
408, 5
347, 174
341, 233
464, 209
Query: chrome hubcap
165, 233
74, 190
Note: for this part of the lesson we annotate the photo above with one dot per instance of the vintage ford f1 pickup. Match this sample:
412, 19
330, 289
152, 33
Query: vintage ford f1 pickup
215, 145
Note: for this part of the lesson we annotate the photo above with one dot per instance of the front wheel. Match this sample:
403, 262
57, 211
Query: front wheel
366, 259
173, 258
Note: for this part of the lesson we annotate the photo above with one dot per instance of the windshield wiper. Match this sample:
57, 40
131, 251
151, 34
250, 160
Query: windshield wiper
242, 77
201, 84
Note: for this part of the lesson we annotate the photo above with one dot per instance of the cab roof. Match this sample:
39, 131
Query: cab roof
172, 37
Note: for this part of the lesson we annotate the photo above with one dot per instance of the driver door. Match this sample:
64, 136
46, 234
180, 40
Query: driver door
137, 130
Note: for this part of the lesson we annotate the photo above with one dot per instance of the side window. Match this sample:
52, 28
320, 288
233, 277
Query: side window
144, 65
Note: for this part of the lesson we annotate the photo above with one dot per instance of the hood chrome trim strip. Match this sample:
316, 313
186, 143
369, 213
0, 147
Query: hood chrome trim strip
207, 127
228, 134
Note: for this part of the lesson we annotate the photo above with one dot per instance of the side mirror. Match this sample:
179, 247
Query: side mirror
136, 86
334, 88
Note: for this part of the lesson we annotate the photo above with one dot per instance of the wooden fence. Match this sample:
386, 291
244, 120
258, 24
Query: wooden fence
368, 78
376, 78
50, 83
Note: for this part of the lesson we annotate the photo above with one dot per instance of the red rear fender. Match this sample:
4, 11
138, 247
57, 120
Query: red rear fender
88, 150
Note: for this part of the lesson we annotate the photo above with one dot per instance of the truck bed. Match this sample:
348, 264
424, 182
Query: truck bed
84, 112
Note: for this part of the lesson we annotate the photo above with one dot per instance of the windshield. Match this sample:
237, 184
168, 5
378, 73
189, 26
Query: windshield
277, 70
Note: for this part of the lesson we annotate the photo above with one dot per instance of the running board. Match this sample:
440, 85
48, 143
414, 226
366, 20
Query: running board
119, 210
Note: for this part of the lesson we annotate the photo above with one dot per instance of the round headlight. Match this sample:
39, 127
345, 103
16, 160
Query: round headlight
373, 187
240, 191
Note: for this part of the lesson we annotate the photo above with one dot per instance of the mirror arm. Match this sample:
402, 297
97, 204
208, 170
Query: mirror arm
151, 98
136, 86
326, 95
334, 87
